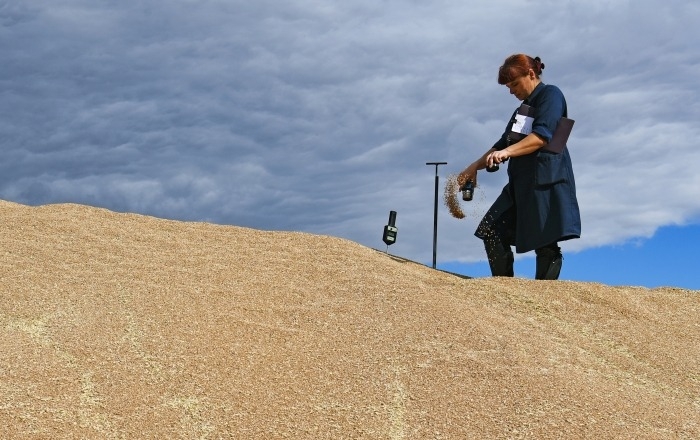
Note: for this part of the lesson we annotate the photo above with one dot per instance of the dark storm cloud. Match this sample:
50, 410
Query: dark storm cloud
317, 116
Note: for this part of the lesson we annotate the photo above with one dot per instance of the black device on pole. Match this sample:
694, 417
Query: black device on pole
390, 230
435, 215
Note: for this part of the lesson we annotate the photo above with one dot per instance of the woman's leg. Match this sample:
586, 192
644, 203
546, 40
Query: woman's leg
549, 261
500, 257
497, 230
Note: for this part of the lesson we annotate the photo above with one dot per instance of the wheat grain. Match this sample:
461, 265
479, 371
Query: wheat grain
450, 197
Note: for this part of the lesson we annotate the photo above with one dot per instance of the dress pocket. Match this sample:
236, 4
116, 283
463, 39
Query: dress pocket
551, 169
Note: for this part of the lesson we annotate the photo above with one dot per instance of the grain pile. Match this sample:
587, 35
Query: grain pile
120, 326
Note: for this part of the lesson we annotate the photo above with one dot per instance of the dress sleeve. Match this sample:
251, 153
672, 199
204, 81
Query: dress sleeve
549, 108
502, 143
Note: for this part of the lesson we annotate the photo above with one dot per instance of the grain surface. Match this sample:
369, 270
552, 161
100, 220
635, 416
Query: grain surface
122, 326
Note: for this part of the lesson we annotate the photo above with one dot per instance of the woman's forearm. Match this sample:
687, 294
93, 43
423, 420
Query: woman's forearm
529, 144
480, 163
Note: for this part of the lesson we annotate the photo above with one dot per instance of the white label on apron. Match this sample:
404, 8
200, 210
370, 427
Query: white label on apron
522, 124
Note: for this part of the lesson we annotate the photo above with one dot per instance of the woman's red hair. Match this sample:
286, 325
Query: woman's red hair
519, 65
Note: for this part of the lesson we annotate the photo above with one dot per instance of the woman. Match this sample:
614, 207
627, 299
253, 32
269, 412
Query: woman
537, 208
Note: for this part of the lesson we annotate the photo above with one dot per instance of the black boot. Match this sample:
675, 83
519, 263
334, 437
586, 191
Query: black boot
500, 257
549, 261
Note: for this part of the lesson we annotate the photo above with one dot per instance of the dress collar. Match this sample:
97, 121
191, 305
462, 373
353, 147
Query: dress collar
534, 93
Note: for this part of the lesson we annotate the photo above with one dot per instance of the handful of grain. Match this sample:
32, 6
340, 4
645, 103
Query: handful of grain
451, 198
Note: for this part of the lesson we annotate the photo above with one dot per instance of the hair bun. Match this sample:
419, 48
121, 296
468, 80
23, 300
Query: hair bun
539, 64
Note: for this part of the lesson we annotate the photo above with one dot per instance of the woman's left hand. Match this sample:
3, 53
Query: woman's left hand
497, 157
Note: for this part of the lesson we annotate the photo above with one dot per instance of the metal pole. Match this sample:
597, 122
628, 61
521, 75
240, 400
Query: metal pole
435, 213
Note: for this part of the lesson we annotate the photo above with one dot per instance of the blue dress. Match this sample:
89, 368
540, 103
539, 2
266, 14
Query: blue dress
538, 205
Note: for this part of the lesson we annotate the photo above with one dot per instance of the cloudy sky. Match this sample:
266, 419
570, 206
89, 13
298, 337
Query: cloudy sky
319, 116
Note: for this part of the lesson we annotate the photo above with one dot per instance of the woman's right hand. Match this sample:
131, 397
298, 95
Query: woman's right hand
469, 173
